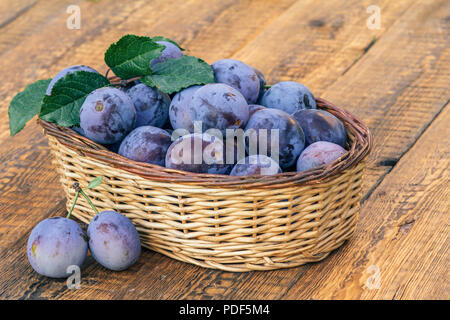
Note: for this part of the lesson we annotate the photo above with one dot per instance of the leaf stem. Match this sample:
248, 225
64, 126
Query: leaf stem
73, 204
89, 201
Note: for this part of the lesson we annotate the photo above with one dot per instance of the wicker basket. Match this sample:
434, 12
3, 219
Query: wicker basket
217, 221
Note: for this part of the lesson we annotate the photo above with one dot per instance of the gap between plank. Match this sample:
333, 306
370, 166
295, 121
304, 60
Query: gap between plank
257, 33
18, 14
383, 176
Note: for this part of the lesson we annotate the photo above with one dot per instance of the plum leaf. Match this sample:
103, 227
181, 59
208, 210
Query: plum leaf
160, 38
95, 182
130, 56
173, 75
26, 104
68, 94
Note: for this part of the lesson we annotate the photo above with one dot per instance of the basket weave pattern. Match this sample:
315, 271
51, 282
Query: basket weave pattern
222, 222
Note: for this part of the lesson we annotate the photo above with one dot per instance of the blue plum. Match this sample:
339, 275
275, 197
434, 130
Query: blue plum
238, 75
319, 153
262, 84
179, 112
54, 245
288, 96
107, 115
232, 153
113, 240
285, 138
320, 125
199, 153
146, 144
252, 108
152, 105
219, 106
65, 72
113, 147
170, 51
78, 130
256, 165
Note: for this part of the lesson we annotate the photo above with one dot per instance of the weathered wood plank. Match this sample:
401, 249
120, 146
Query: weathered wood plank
403, 231
26, 171
55, 47
25, 17
156, 276
397, 90
9, 11
315, 44
400, 85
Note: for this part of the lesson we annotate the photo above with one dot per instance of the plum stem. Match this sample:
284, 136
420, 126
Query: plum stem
73, 204
88, 200
267, 86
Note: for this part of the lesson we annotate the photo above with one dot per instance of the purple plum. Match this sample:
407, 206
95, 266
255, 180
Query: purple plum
318, 154
107, 115
113, 240
146, 144
55, 244
320, 125
152, 105
238, 75
288, 96
256, 165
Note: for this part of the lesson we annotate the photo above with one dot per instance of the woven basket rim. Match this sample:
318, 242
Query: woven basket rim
358, 148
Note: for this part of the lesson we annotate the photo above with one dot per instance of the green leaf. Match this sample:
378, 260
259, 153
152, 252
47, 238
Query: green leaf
160, 38
95, 182
26, 104
130, 56
68, 94
173, 75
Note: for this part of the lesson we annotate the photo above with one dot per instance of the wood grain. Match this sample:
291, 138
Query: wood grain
11, 11
315, 44
26, 17
403, 230
398, 85
384, 100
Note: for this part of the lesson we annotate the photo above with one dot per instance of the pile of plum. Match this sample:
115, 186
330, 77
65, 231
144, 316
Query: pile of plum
57, 243
144, 124
237, 125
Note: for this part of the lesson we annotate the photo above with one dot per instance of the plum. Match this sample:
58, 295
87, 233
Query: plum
262, 84
55, 244
65, 72
252, 108
146, 144
285, 138
114, 147
152, 105
199, 153
256, 165
170, 51
320, 125
232, 153
288, 96
219, 106
113, 240
107, 115
78, 130
238, 75
319, 153
179, 113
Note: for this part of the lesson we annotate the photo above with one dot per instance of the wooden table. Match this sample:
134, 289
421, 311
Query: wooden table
395, 78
